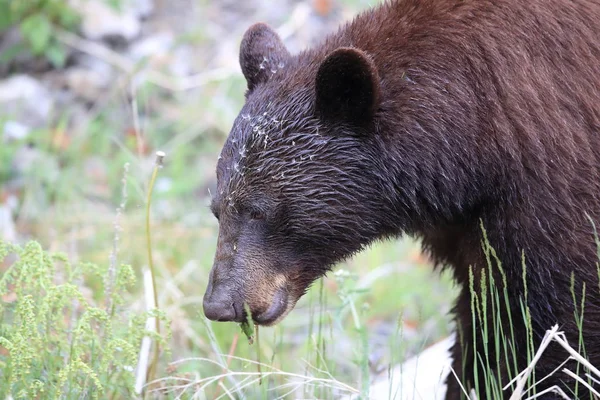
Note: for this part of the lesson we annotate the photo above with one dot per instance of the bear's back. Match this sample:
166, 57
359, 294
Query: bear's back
513, 87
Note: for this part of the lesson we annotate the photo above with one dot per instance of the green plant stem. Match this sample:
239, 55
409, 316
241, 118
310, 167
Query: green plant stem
258, 355
157, 165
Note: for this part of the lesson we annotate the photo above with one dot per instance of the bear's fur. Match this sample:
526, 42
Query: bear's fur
432, 118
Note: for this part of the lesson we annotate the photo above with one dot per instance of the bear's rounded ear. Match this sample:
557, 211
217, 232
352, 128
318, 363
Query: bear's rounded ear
347, 87
262, 54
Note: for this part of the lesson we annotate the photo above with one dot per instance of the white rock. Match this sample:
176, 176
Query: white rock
157, 45
25, 100
142, 8
160, 51
97, 65
14, 130
8, 231
181, 64
421, 377
100, 21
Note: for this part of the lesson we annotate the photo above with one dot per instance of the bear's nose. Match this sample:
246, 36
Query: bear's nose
219, 304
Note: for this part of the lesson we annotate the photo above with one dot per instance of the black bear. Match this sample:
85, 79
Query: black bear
441, 119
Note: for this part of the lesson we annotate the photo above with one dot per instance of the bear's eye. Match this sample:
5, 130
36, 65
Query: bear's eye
256, 214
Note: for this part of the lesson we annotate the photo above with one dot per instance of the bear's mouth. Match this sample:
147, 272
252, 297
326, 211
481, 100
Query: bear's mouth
277, 310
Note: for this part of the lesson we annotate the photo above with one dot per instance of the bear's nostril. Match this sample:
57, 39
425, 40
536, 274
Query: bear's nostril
219, 310
219, 304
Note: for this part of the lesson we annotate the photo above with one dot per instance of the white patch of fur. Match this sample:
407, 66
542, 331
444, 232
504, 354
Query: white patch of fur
270, 65
262, 125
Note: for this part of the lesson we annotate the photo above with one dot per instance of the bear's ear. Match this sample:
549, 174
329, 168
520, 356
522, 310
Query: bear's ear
347, 87
262, 53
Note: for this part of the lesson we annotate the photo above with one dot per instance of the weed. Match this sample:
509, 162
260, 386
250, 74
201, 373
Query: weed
37, 21
59, 341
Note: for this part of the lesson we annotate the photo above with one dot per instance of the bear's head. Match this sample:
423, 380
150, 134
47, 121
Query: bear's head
299, 183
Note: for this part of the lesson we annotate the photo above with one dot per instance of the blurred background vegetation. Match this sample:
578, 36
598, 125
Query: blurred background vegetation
89, 91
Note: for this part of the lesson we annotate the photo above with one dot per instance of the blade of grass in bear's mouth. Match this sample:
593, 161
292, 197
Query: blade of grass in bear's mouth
248, 326
248, 329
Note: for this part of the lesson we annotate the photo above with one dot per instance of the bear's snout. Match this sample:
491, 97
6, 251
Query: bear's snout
222, 304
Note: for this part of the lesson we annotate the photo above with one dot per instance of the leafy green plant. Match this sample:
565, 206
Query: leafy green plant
56, 339
37, 21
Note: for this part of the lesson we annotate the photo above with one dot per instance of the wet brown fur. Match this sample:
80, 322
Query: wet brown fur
484, 113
